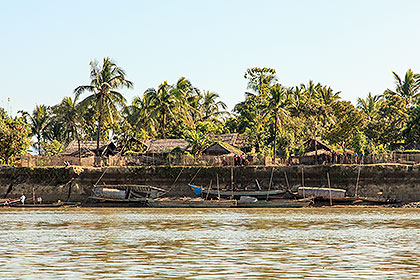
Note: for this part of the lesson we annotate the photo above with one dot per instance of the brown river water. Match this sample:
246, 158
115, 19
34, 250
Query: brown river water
312, 243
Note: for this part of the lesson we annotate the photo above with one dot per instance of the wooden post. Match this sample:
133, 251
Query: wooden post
208, 191
357, 182
218, 191
271, 181
303, 183
33, 195
231, 177
329, 186
287, 181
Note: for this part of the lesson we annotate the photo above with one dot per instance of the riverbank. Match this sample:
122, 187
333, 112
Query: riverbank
390, 181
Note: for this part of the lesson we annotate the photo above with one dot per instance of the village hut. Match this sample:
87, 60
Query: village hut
221, 153
233, 139
222, 148
89, 148
316, 152
159, 146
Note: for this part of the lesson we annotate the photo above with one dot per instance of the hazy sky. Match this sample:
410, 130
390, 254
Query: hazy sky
352, 46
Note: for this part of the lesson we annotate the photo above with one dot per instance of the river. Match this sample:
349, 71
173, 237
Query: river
115, 243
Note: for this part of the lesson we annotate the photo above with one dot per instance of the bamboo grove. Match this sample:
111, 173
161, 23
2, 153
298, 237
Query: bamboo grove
277, 119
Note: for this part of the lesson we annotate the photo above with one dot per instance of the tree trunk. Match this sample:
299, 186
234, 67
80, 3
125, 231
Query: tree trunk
275, 138
78, 147
98, 134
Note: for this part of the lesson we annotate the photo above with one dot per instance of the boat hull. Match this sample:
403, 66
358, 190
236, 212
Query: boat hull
278, 203
191, 203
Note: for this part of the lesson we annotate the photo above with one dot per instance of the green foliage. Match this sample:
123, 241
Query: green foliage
348, 122
14, 137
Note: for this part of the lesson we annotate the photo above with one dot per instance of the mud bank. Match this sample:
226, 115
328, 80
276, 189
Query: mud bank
395, 181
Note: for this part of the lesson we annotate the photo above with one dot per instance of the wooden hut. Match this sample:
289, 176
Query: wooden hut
89, 148
158, 146
233, 139
221, 148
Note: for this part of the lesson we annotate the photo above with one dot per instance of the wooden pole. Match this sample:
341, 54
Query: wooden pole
33, 194
287, 181
195, 175
329, 186
303, 183
231, 178
271, 181
357, 182
218, 190
208, 191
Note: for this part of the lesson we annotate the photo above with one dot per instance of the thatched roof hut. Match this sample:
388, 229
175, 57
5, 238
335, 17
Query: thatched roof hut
157, 146
88, 148
233, 139
221, 148
314, 142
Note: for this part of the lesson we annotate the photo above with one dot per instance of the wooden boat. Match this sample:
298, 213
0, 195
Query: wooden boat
235, 194
190, 203
321, 193
47, 205
126, 193
276, 203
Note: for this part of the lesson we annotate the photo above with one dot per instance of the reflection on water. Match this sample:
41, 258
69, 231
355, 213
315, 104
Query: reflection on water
210, 243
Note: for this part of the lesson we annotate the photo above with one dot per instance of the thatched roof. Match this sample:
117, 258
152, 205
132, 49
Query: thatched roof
87, 148
233, 139
221, 148
310, 145
166, 145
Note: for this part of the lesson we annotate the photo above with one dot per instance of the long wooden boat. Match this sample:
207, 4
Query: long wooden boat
235, 194
47, 205
191, 203
276, 203
324, 193
126, 193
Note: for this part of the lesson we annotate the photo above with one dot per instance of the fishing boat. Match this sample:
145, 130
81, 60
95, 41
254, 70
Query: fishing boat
235, 194
190, 203
275, 203
126, 193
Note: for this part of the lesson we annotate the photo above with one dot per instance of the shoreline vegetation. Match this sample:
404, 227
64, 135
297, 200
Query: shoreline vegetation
276, 119
179, 126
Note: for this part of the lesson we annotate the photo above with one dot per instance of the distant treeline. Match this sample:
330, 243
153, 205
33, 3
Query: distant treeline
277, 119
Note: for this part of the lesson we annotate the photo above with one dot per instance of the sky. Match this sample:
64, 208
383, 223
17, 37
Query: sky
351, 46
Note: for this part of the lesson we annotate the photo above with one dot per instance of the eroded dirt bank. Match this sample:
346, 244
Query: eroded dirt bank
401, 182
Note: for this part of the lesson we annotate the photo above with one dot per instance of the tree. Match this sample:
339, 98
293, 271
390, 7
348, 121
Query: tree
409, 88
39, 122
14, 137
106, 79
369, 105
349, 121
278, 110
163, 102
211, 108
69, 112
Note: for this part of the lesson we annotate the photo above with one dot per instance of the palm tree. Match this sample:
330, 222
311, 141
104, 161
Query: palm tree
277, 108
369, 105
39, 122
210, 107
163, 102
105, 80
70, 113
409, 88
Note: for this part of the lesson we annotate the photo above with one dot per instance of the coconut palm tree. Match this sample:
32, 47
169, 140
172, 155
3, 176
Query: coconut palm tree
409, 88
69, 112
211, 108
106, 79
163, 102
39, 122
278, 109
369, 105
